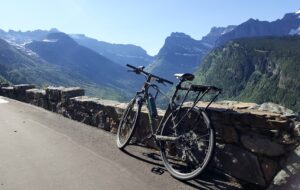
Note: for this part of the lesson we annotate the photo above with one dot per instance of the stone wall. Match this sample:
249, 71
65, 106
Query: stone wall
256, 143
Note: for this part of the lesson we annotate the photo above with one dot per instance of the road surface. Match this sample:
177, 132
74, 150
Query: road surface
41, 150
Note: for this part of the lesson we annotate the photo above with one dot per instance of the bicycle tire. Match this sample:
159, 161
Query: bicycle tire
177, 162
125, 129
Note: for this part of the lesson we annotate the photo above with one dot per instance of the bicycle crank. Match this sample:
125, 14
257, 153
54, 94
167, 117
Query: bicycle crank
166, 138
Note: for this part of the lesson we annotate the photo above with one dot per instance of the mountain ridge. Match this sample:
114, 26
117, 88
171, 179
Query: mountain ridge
17, 66
64, 51
119, 53
260, 69
255, 28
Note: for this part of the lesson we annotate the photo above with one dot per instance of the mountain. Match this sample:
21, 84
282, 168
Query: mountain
19, 37
18, 66
119, 53
179, 54
60, 49
288, 25
215, 33
183, 54
258, 70
14, 65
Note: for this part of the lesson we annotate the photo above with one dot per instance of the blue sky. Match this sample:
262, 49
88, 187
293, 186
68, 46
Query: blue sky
142, 22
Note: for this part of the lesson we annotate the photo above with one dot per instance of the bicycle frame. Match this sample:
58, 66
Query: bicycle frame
172, 106
184, 135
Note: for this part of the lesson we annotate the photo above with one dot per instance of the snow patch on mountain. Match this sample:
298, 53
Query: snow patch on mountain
21, 46
295, 31
50, 40
228, 29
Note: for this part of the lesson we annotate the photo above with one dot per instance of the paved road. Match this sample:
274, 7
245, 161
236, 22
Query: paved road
41, 150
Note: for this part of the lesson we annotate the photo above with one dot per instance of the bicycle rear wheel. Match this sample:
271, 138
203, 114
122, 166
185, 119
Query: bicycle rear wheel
188, 156
128, 123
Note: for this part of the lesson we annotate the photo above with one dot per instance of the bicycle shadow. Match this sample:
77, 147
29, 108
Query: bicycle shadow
211, 179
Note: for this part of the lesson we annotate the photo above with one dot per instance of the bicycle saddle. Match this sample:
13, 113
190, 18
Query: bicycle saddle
184, 76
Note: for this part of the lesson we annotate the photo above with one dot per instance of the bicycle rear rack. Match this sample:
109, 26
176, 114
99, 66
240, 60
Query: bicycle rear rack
201, 92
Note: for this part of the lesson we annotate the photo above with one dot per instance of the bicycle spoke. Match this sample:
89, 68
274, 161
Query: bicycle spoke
188, 156
127, 124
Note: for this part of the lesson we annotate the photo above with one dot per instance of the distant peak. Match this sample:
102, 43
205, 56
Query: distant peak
77, 36
221, 30
54, 30
179, 35
59, 36
253, 20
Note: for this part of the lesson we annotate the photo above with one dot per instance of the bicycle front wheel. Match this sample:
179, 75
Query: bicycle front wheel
187, 156
128, 123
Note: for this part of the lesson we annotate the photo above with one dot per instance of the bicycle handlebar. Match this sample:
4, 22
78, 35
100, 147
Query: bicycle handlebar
140, 70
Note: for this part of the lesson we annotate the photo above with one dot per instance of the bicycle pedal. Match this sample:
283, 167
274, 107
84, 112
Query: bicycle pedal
158, 170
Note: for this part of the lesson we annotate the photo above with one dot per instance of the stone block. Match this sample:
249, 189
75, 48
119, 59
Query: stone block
239, 163
8, 92
35, 93
226, 133
262, 145
288, 177
269, 168
58, 97
3, 85
37, 97
71, 92
23, 87
20, 91
53, 93
275, 108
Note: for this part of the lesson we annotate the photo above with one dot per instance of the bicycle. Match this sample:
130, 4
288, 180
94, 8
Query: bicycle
185, 135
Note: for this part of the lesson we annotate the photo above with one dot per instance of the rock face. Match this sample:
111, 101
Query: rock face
258, 146
180, 54
288, 25
215, 33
